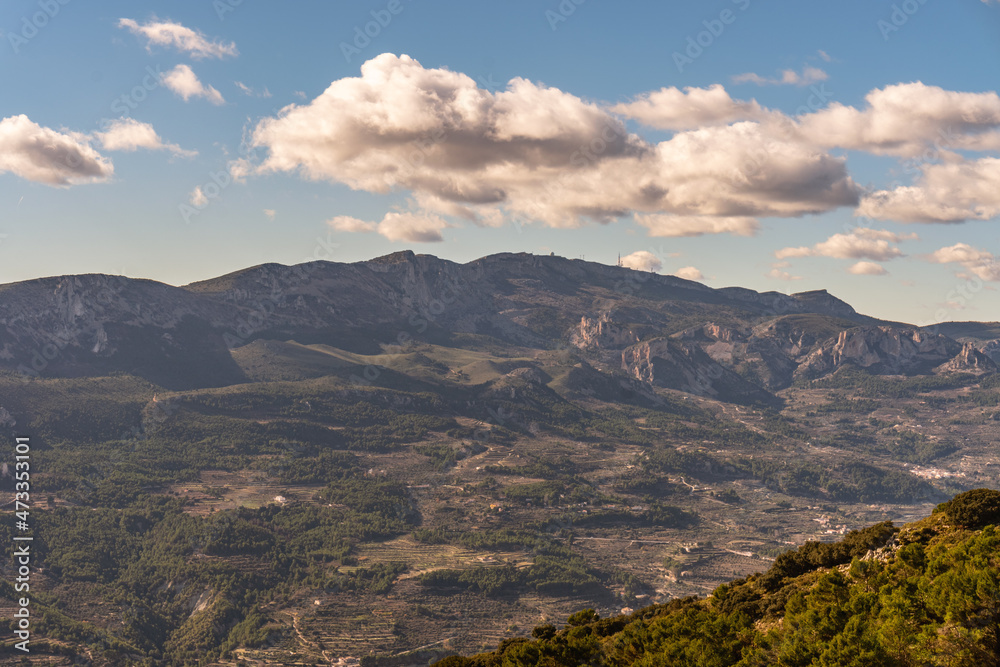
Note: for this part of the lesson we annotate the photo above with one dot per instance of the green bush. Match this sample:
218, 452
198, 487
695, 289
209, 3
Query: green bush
973, 509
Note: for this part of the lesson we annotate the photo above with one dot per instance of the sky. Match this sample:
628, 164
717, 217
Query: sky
787, 146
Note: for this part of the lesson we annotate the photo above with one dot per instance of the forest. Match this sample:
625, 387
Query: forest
926, 593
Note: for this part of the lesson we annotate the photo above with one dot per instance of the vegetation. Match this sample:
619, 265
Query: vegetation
161, 540
926, 594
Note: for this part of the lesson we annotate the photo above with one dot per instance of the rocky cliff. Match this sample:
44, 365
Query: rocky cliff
672, 364
970, 359
881, 349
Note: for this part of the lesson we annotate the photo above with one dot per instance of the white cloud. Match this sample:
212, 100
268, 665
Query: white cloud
183, 81
346, 223
695, 225
643, 260
128, 134
250, 92
413, 227
789, 77
978, 262
689, 273
673, 109
539, 153
533, 153
270, 213
168, 33
239, 169
867, 269
953, 192
403, 226
908, 118
905, 119
859, 243
198, 198
42, 155
824, 55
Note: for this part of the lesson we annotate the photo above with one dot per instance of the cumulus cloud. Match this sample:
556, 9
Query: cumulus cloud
413, 227
689, 273
42, 155
535, 153
859, 243
643, 260
185, 83
788, 77
951, 192
673, 109
978, 262
697, 225
346, 223
128, 134
168, 33
907, 119
867, 269
540, 153
401, 226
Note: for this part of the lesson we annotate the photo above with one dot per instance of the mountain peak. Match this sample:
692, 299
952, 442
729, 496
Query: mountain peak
823, 301
394, 258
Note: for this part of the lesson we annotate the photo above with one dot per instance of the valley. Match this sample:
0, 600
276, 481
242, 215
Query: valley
387, 467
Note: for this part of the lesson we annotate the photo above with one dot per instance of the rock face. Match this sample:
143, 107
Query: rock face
80, 325
969, 360
884, 350
602, 333
992, 350
669, 363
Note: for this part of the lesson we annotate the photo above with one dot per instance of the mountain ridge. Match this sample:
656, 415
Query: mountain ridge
179, 336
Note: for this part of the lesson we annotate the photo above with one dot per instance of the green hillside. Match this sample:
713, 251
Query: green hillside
924, 594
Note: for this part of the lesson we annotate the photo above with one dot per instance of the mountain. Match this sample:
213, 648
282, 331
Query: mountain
182, 337
328, 462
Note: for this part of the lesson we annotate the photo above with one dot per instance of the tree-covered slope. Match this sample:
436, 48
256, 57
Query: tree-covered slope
925, 594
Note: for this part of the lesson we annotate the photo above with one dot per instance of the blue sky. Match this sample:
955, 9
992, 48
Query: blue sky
785, 146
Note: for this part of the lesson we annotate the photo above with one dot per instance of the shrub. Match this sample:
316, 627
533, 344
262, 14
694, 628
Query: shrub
973, 509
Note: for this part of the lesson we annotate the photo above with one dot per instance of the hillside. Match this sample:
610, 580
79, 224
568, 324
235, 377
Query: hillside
295, 464
925, 593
